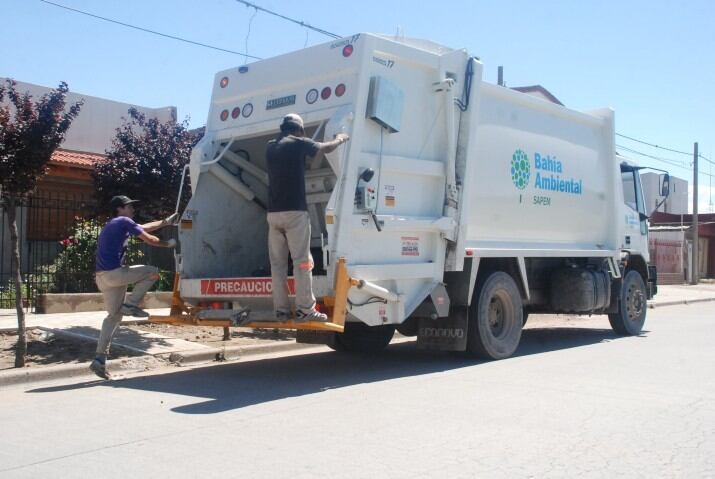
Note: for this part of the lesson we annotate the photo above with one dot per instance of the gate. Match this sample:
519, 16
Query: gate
57, 237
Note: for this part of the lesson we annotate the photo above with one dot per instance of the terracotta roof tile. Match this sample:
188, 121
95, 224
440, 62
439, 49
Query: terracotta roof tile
78, 159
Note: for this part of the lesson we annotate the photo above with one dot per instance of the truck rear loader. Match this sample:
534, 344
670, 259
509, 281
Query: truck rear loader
456, 209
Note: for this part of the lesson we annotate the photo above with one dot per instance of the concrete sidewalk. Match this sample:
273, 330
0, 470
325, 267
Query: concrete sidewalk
683, 294
86, 326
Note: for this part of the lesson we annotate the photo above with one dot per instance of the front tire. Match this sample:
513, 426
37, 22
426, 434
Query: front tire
632, 307
495, 318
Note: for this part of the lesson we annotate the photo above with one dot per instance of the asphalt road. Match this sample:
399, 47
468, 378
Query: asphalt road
576, 401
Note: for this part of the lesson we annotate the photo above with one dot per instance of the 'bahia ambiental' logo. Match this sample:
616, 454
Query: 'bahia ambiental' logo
520, 169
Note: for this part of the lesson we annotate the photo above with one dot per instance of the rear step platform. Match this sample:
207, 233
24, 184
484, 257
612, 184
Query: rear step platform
183, 314
244, 319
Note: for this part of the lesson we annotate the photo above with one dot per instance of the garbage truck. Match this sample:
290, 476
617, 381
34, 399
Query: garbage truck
456, 209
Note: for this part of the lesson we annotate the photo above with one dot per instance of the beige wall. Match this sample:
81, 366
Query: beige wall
98, 120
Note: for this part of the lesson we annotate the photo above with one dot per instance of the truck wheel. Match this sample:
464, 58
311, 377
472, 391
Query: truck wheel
361, 338
409, 327
629, 319
495, 318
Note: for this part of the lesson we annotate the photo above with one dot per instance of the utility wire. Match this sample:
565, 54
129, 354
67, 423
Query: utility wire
298, 22
654, 145
173, 37
664, 160
706, 159
248, 34
668, 161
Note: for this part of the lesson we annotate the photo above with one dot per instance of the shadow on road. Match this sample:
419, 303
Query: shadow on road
241, 384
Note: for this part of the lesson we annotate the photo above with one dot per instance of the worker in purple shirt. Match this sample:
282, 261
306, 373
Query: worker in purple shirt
113, 277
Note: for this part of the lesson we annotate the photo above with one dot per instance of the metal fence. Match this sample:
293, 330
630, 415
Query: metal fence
57, 238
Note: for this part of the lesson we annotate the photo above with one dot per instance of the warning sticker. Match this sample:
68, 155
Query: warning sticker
382, 313
253, 287
390, 194
410, 246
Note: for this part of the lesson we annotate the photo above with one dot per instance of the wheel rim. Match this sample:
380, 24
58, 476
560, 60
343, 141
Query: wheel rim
634, 302
497, 316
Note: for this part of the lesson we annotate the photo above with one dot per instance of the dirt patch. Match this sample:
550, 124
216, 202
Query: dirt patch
214, 336
46, 349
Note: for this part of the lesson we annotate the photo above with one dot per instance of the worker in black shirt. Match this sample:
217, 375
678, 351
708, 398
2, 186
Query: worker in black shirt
288, 218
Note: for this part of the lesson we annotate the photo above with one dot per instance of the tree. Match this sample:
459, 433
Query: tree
145, 162
29, 133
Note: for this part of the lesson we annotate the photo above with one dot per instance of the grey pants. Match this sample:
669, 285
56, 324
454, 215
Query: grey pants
113, 285
289, 231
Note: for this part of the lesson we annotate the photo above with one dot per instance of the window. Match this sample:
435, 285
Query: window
629, 190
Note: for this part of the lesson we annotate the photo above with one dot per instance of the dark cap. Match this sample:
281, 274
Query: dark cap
121, 200
292, 119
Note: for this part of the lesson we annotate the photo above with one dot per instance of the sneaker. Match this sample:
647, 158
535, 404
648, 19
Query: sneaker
100, 369
131, 310
312, 315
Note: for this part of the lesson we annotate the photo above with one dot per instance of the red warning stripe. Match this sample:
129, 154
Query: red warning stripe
253, 287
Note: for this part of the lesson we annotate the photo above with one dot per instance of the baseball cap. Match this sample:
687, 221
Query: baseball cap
121, 200
293, 119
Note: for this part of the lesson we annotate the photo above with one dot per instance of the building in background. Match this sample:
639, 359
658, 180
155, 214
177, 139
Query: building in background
67, 190
670, 242
677, 201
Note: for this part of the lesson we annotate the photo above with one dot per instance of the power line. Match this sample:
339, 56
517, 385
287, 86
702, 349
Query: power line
173, 37
298, 22
668, 161
707, 159
664, 160
655, 146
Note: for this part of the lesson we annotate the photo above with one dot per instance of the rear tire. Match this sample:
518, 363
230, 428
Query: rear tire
632, 307
495, 318
358, 337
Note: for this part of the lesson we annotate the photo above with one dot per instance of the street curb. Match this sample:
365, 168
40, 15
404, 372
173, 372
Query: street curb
230, 353
14, 377
678, 302
27, 376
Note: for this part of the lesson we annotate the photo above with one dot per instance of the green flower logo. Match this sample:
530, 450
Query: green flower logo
520, 169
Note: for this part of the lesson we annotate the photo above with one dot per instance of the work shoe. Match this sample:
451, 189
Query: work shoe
131, 310
100, 369
311, 316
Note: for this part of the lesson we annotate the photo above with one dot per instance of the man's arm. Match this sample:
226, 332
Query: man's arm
158, 224
154, 241
330, 146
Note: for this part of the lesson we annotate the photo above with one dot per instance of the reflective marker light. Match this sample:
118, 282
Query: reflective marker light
224, 82
340, 90
224, 115
311, 96
235, 113
347, 50
247, 110
325, 94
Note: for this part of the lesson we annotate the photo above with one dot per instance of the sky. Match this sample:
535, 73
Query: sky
652, 61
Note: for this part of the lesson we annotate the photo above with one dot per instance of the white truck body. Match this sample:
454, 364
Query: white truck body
465, 173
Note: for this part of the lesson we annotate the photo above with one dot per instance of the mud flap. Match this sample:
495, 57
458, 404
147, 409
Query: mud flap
444, 334
307, 336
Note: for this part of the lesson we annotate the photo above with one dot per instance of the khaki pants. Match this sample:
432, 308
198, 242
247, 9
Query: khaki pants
113, 285
289, 231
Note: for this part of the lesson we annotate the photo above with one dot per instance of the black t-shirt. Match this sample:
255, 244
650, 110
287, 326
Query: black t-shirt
285, 160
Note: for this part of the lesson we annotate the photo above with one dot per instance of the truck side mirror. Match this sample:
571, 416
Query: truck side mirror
665, 189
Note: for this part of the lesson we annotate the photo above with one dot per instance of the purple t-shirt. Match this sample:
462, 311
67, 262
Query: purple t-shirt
113, 240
